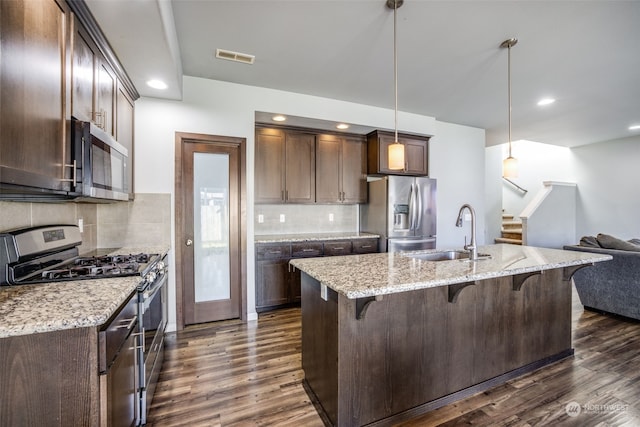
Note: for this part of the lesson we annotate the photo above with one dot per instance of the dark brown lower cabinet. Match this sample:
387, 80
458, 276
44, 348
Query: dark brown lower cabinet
52, 379
121, 386
272, 284
277, 284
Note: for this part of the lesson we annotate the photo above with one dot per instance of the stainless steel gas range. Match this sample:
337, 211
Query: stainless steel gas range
46, 254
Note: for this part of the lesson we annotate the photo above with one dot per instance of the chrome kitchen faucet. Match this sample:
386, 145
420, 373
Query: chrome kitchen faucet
471, 247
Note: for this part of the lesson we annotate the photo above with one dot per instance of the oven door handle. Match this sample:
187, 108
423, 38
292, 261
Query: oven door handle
151, 292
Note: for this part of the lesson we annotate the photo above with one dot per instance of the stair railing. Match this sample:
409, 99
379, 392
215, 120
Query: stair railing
524, 191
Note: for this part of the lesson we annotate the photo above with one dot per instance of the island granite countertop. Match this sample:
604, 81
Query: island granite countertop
357, 276
311, 237
46, 307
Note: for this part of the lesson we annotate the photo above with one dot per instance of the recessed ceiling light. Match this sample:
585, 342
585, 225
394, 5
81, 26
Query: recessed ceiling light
634, 127
157, 84
342, 126
546, 101
279, 118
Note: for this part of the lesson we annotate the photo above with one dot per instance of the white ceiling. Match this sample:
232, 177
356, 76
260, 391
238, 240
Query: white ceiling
586, 54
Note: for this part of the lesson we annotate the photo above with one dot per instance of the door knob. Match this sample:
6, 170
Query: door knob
189, 242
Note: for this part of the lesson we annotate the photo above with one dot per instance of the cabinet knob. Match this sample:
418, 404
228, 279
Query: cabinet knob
189, 242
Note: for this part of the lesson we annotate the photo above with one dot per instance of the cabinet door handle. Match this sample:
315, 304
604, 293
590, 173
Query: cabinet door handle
74, 170
97, 118
131, 321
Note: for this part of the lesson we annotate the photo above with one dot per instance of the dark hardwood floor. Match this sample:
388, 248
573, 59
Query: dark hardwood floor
235, 374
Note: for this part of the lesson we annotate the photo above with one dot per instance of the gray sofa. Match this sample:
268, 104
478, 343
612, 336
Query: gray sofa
610, 286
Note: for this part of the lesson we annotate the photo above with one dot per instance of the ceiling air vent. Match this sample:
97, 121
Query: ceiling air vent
235, 56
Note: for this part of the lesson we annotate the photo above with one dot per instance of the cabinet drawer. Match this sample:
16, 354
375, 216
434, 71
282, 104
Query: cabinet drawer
337, 248
307, 249
112, 335
273, 251
365, 246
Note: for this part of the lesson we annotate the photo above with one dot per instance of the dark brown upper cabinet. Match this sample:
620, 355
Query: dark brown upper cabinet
416, 153
34, 68
341, 171
83, 79
285, 166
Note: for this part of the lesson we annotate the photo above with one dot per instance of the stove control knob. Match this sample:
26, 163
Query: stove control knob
150, 277
160, 265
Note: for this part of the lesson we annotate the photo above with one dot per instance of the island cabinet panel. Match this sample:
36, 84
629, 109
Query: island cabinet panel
412, 352
50, 379
34, 144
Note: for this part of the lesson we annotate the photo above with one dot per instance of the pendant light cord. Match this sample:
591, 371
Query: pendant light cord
395, 64
509, 93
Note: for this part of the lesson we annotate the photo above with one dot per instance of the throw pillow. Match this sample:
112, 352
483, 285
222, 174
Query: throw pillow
610, 242
589, 241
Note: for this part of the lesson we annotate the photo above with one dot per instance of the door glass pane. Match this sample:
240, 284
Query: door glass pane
211, 226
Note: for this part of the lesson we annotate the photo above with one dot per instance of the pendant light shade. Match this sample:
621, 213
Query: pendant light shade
510, 164
510, 167
396, 156
395, 152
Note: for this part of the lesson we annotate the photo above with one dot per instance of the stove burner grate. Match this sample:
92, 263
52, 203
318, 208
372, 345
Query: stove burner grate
98, 267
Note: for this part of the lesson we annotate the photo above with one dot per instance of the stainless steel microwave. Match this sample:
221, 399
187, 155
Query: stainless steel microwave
101, 164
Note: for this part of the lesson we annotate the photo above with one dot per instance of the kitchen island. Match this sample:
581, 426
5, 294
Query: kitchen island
386, 337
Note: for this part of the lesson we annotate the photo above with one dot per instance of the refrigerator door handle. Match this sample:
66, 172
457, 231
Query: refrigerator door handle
419, 207
412, 208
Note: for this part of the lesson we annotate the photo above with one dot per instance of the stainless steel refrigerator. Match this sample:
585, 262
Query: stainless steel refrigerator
402, 210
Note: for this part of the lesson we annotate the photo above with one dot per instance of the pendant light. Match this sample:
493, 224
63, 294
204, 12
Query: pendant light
395, 151
510, 164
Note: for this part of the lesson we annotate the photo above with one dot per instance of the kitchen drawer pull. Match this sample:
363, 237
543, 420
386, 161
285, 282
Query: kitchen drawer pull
132, 322
275, 252
339, 248
365, 246
309, 250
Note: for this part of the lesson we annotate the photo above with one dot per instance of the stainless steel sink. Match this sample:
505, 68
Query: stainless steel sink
445, 256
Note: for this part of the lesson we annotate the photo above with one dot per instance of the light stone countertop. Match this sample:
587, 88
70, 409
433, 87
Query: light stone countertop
357, 276
46, 307
311, 237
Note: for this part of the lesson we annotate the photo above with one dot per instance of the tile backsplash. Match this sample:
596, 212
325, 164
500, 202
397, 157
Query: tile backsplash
146, 221
24, 214
300, 219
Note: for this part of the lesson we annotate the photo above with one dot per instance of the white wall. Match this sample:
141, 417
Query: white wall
606, 173
493, 193
554, 222
608, 177
456, 160
536, 163
219, 108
